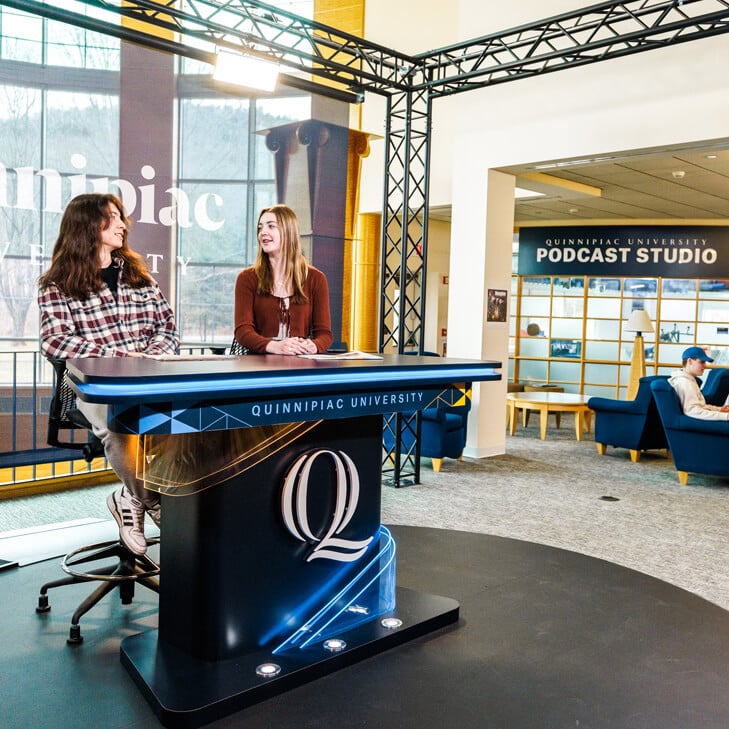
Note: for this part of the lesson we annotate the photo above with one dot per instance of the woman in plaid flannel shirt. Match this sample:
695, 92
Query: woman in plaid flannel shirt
98, 300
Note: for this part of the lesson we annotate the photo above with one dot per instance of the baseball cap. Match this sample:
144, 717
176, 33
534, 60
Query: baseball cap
696, 353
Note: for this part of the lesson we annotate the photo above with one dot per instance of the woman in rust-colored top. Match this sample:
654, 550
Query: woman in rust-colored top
281, 302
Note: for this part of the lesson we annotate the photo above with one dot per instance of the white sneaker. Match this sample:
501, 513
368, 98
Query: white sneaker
129, 515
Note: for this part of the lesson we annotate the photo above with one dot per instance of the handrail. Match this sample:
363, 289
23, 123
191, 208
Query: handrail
26, 388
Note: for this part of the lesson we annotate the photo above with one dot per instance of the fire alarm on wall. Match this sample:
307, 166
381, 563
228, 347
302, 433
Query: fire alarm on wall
445, 280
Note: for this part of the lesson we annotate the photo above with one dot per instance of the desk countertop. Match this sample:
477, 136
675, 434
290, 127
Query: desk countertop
115, 379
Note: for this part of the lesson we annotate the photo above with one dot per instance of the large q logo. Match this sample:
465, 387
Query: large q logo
294, 498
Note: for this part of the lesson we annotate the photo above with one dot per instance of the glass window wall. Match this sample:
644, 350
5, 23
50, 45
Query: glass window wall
59, 136
572, 332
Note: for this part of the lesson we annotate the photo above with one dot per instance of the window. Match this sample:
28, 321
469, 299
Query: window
551, 346
32, 39
22, 36
82, 133
235, 168
69, 46
59, 136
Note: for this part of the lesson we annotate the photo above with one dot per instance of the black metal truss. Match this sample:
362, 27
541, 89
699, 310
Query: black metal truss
595, 33
401, 465
197, 28
404, 224
598, 32
404, 252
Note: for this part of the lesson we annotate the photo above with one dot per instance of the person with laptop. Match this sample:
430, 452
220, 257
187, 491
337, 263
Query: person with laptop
684, 382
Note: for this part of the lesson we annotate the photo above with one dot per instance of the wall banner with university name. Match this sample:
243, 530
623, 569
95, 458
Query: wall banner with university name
668, 251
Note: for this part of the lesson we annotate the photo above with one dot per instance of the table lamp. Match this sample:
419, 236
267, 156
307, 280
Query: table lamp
639, 322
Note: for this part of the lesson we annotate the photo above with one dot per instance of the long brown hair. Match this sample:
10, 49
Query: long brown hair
74, 265
295, 266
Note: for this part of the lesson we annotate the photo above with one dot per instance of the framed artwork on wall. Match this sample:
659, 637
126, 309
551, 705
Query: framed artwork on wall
496, 305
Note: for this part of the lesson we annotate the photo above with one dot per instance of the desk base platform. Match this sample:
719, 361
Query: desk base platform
186, 692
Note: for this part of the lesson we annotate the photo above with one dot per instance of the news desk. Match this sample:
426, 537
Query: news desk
275, 568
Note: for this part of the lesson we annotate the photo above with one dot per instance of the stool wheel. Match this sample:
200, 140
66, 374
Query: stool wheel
74, 635
43, 606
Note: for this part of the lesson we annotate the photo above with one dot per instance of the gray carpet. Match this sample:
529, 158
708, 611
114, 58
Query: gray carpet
551, 492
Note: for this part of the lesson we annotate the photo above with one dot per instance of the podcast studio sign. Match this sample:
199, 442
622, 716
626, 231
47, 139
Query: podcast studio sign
672, 252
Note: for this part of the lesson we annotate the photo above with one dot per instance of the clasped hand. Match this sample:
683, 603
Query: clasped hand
292, 346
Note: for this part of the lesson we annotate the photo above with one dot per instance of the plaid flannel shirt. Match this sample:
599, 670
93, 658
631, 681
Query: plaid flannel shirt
137, 320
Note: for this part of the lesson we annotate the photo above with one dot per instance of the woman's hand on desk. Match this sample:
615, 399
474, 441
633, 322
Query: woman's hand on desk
291, 346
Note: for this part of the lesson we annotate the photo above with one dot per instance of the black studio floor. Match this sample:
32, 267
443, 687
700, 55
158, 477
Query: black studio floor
547, 639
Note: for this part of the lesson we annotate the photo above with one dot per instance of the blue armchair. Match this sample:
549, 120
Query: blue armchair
442, 433
442, 430
697, 446
716, 386
632, 424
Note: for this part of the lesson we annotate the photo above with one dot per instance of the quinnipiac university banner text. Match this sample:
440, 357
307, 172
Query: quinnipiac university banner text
667, 251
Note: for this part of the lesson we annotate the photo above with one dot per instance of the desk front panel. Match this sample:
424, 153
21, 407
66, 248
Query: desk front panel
248, 561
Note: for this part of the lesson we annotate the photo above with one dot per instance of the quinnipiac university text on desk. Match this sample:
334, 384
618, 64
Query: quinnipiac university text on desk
275, 567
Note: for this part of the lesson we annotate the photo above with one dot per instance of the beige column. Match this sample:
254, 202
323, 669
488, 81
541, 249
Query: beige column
481, 241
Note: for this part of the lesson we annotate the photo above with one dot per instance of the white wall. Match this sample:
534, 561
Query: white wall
409, 27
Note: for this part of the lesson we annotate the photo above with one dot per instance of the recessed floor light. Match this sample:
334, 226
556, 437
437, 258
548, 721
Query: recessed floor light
268, 670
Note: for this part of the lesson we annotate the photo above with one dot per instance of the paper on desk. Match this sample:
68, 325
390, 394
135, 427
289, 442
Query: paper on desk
341, 355
187, 357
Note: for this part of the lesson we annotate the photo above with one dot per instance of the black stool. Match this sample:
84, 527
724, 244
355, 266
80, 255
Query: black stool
120, 569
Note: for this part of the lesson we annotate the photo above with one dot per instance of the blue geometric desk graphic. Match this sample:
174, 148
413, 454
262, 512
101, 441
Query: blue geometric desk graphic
276, 569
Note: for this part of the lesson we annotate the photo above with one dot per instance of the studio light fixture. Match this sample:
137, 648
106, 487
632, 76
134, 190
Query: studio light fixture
638, 322
243, 70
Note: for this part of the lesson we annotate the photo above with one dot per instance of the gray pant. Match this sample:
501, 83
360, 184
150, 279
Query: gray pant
120, 450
